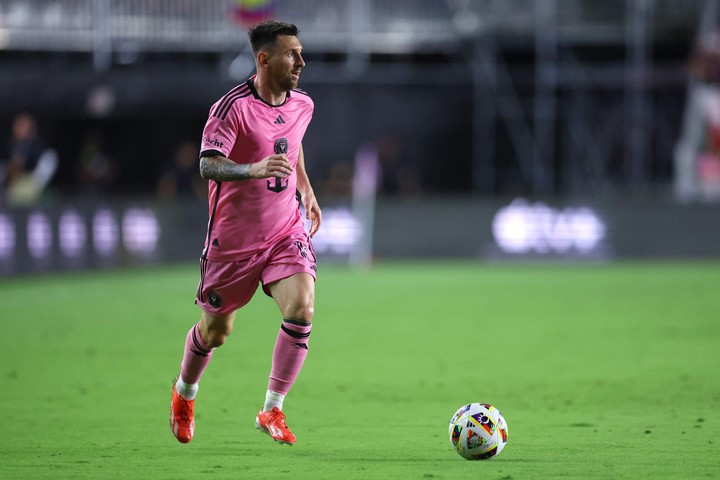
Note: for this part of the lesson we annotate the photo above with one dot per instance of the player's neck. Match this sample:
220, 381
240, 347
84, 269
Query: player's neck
270, 93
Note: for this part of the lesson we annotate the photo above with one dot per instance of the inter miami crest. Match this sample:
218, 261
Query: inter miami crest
281, 146
214, 299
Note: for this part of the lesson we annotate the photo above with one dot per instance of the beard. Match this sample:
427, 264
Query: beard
287, 82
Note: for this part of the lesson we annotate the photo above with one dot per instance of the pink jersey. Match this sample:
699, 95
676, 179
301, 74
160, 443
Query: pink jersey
248, 216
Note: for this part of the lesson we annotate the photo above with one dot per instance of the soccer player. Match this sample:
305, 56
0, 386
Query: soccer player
252, 156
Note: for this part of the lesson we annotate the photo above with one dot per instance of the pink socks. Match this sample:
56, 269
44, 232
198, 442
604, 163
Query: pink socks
289, 354
196, 357
291, 348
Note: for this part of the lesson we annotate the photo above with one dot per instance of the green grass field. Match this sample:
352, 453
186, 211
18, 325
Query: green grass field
602, 371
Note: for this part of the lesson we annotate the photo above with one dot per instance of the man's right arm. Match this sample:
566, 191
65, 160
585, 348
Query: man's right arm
222, 169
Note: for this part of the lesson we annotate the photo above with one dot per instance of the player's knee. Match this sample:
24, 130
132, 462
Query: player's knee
300, 306
302, 310
214, 330
216, 335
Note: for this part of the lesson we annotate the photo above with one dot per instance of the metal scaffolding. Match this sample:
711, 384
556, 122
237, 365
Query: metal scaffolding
565, 88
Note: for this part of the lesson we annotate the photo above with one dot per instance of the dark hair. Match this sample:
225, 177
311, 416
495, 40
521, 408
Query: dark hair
267, 32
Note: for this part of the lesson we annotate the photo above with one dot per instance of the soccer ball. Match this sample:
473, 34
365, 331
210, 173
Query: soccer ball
478, 431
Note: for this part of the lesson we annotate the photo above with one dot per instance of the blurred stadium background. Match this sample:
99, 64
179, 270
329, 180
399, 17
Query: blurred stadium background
487, 129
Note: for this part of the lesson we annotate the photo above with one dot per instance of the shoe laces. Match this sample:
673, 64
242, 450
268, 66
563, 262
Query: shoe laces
185, 408
278, 416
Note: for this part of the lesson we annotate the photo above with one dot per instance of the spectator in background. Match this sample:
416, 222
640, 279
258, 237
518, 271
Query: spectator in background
697, 154
338, 183
31, 164
398, 176
182, 197
96, 169
182, 178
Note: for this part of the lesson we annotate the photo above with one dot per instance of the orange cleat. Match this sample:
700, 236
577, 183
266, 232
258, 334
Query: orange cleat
182, 416
273, 423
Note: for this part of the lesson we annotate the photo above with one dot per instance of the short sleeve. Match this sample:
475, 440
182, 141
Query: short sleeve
220, 132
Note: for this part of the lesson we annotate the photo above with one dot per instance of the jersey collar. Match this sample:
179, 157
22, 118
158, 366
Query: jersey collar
251, 84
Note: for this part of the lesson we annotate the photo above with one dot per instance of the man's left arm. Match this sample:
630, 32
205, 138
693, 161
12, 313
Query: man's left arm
312, 209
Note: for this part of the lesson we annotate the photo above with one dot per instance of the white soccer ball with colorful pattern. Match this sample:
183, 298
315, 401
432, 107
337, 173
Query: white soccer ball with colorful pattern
478, 431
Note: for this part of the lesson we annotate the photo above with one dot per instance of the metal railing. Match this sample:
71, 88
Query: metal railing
327, 25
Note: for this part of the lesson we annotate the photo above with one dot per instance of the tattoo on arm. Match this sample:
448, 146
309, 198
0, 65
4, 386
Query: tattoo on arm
223, 169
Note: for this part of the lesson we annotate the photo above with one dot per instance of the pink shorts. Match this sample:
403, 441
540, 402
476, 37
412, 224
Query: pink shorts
226, 286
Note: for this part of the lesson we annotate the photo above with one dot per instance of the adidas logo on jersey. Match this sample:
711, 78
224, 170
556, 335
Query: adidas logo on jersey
279, 120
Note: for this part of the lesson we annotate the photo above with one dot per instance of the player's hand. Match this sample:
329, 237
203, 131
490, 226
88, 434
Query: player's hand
272, 166
312, 212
